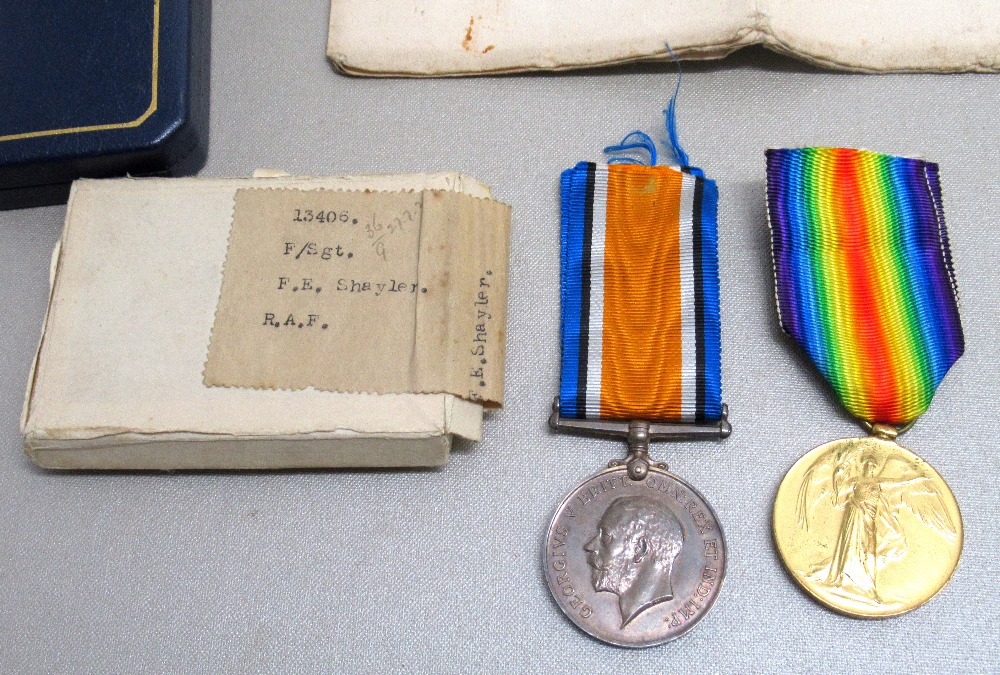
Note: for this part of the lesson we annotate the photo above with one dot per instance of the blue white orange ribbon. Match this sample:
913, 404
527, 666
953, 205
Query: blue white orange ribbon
640, 294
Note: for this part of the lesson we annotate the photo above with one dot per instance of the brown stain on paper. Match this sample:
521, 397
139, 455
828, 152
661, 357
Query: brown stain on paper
470, 37
467, 42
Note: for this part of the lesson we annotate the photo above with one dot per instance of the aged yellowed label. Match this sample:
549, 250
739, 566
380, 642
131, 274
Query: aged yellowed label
359, 291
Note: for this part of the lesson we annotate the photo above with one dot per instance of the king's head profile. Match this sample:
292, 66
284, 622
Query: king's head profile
633, 552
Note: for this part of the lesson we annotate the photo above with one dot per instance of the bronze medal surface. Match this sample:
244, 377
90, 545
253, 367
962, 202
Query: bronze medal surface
867, 528
634, 563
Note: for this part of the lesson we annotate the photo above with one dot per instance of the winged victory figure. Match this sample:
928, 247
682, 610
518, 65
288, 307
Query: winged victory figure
871, 487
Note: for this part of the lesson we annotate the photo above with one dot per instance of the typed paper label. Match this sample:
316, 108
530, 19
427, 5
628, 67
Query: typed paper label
359, 291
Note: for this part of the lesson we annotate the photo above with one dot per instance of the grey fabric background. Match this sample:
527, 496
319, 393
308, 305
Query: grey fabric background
438, 571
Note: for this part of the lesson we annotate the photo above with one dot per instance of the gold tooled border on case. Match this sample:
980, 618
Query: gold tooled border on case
120, 125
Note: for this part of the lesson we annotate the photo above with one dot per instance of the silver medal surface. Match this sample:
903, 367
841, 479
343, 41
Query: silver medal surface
635, 563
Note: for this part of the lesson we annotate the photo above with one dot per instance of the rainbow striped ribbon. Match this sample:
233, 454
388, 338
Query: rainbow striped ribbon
863, 275
640, 294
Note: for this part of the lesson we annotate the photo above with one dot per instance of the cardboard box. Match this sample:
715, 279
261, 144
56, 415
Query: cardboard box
119, 378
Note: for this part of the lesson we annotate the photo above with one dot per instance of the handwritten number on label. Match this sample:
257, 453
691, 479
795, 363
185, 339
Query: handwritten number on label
379, 231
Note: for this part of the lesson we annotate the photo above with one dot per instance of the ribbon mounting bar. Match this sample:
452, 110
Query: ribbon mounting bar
658, 431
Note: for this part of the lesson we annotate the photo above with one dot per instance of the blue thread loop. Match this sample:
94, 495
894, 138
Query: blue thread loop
636, 140
674, 143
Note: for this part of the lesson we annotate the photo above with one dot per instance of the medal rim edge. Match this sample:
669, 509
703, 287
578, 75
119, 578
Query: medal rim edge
708, 607
840, 610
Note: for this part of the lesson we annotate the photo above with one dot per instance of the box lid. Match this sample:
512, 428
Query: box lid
99, 89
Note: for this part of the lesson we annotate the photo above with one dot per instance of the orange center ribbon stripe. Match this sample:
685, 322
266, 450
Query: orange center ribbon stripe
640, 294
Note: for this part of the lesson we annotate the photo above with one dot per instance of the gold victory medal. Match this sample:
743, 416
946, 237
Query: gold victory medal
867, 528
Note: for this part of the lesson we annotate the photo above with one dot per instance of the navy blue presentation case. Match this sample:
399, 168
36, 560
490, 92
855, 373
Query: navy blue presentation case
99, 88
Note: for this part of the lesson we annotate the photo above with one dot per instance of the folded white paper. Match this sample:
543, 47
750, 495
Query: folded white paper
458, 37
